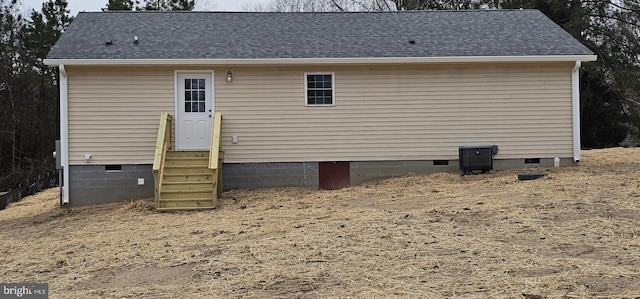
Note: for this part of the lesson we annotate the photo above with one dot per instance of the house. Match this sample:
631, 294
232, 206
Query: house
307, 99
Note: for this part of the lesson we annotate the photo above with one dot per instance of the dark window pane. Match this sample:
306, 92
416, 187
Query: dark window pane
328, 81
311, 99
326, 97
187, 107
194, 84
311, 81
201, 96
187, 96
201, 84
201, 107
187, 83
194, 107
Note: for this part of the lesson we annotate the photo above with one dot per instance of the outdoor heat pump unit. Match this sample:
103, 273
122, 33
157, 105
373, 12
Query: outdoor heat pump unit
476, 158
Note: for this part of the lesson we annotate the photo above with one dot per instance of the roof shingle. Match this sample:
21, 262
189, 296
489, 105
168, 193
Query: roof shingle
228, 35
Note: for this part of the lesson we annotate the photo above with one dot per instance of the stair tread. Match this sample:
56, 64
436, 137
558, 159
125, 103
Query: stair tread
201, 168
205, 188
175, 174
186, 199
189, 155
187, 151
186, 182
188, 171
186, 193
186, 178
187, 174
185, 208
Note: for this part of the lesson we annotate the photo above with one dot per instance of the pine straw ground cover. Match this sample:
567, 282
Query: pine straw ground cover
572, 234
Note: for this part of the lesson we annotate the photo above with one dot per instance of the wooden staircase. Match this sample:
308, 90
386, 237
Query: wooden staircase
187, 180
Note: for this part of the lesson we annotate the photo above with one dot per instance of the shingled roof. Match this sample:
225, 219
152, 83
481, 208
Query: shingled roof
229, 35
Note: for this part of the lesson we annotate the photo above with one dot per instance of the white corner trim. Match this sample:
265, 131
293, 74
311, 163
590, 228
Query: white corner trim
307, 61
64, 132
575, 101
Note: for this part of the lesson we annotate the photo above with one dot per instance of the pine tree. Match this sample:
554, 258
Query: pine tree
119, 5
28, 91
169, 4
11, 23
44, 29
162, 5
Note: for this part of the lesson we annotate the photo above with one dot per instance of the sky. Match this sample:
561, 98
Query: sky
95, 5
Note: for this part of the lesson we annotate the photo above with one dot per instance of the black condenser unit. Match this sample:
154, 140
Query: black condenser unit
477, 158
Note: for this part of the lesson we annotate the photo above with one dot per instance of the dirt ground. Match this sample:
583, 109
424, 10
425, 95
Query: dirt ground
572, 234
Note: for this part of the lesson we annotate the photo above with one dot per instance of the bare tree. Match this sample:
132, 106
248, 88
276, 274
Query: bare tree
323, 6
205, 5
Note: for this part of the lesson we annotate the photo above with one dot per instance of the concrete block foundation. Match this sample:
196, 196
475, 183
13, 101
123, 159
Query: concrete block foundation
96, 184
269, 175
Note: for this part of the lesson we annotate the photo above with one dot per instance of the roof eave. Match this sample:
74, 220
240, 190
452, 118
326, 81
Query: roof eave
301, 61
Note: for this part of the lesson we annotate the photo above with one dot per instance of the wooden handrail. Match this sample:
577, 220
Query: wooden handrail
163, 141
214, 152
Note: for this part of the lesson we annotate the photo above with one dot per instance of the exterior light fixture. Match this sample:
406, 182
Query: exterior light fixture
229, 77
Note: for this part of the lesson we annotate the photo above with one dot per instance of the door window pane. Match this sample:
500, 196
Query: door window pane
195, 95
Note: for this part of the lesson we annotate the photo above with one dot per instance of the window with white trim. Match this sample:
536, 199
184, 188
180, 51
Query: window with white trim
319, 89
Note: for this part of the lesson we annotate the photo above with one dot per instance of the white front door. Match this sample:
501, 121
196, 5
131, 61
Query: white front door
194, 110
